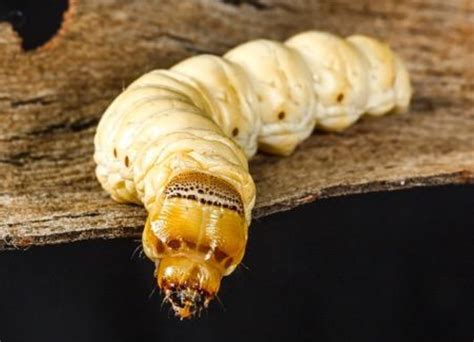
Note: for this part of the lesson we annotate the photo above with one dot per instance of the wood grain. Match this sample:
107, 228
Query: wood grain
51, 100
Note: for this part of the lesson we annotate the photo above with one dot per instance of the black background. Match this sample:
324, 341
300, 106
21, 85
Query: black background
395, 266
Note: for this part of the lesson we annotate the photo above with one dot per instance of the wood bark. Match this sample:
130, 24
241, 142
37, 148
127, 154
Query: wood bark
52, 98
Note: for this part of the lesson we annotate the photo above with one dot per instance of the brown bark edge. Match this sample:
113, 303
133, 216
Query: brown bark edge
51, 100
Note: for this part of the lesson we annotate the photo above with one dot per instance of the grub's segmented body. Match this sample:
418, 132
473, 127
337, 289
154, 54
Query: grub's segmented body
178, 141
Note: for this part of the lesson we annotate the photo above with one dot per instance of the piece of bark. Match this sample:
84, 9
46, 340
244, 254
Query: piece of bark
51, 100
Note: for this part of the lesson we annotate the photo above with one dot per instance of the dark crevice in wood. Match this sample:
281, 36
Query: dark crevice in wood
75, 126
188, 44
54, 218
42, 101
83, 124
25, 158
259, 5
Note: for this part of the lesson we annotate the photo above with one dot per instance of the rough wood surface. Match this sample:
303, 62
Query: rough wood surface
51, 100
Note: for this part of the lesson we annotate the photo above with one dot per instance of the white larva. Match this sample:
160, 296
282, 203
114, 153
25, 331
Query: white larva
177, 141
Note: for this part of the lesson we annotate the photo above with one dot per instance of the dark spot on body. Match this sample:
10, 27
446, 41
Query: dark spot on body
281, 115
235, 132
115, 152
174, 244
340, 97
127, 161
219, 255
204, 249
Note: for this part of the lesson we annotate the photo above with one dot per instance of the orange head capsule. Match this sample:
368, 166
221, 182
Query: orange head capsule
196, 234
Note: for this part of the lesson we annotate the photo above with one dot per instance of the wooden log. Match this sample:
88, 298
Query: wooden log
52, 98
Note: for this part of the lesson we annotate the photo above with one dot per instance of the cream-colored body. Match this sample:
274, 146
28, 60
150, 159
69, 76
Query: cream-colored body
283, 85
206, 116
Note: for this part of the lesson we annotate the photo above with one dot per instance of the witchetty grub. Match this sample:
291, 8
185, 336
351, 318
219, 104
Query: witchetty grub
178, 141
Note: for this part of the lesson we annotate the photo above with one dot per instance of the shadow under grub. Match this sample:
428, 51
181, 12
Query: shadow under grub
36, 22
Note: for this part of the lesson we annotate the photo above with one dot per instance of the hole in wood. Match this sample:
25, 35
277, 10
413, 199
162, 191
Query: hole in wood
36, 22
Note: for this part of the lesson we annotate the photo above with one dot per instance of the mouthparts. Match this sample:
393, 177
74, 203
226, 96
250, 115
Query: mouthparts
187, 302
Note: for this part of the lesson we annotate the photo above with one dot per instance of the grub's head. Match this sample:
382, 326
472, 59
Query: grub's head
196, 234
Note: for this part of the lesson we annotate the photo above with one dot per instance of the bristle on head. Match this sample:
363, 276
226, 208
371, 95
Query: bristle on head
187, 302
